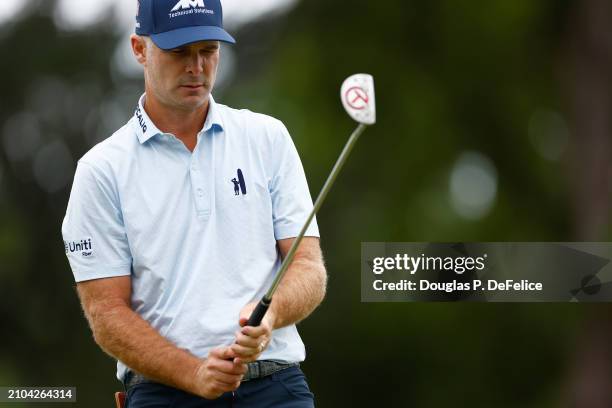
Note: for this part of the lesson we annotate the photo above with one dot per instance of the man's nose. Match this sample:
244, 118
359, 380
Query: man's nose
195, 65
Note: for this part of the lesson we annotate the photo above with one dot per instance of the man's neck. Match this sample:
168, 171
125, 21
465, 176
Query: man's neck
184, 124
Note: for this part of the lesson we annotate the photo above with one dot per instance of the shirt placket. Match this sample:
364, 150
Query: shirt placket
201, 181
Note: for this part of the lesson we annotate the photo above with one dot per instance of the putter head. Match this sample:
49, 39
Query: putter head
357, 94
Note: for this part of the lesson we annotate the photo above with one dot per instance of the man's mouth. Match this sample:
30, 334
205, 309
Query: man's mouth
193, 86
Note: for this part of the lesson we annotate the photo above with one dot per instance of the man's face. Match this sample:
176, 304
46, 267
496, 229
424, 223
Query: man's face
181, 78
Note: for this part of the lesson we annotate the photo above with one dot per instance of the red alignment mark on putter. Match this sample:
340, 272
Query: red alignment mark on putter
357, 98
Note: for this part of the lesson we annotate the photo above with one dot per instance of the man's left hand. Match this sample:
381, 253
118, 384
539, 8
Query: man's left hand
251, 341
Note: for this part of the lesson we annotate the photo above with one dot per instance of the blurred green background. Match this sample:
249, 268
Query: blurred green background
494, 124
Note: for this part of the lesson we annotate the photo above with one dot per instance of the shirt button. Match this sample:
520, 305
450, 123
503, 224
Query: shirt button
200, 192
194, 168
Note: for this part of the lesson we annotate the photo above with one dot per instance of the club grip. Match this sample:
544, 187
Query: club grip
259, 312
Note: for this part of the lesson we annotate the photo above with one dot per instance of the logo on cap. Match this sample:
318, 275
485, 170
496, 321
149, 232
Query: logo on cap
175, 23
187, 4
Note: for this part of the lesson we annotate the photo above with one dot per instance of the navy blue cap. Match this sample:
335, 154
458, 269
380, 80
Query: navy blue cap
174, 23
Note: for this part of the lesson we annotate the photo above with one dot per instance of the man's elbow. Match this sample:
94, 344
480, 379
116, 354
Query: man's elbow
322, 284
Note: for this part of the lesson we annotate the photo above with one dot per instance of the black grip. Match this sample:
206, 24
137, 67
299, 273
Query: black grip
259, 312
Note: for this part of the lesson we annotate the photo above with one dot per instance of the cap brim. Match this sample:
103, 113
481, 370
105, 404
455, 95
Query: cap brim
187, 35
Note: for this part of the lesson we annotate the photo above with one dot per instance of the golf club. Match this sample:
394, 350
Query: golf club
357, 94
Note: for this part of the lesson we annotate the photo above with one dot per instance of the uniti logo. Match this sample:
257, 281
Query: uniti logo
187, 4
84, 246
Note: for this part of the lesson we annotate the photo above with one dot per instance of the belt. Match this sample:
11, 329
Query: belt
263, 368
255, 370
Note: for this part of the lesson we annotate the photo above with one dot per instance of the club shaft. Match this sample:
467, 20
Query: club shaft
326, 187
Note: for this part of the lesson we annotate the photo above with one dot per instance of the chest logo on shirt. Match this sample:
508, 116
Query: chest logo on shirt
239, 184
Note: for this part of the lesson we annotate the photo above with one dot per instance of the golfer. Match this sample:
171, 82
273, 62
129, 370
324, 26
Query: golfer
169, 261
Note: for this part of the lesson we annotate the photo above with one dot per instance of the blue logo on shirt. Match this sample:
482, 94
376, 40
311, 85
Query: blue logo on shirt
239, 184
141, 121
84, 246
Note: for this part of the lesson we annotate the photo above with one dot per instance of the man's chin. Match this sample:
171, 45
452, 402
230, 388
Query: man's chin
193, 100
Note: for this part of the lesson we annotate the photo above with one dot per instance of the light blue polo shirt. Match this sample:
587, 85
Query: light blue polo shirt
196, 231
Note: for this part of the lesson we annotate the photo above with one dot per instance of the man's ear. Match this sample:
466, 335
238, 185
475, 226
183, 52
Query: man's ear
139, 48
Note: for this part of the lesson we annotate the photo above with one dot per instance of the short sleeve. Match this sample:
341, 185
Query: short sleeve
291, 200
94, 234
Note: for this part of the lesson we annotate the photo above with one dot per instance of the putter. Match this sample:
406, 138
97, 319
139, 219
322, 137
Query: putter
357, 94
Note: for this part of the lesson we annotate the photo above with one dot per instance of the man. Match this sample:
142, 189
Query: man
168, 260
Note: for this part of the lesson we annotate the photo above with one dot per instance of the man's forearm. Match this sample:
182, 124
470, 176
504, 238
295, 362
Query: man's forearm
123, 334
301, 290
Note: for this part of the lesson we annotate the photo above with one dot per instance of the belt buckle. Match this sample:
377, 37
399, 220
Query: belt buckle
253, 371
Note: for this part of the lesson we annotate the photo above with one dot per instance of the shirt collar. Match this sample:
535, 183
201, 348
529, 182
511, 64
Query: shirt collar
146, 129
214, 117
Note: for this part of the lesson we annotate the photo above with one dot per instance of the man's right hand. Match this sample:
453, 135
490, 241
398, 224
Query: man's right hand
218, 374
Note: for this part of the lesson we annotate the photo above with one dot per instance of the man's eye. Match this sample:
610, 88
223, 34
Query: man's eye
177, 51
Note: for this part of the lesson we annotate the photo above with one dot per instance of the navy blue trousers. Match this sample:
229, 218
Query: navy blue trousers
283, 389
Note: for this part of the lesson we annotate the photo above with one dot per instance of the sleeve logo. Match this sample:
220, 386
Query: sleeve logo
83, 246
